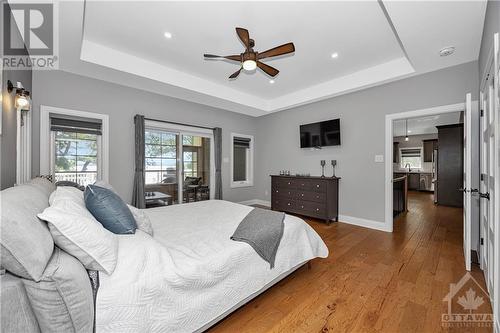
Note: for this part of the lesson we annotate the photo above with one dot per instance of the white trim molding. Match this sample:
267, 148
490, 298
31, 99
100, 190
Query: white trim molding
389, 148
23, 146
45, 150
342, 218
360, 222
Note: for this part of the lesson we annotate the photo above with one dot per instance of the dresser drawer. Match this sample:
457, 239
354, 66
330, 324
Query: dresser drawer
285, 183
314, 209
311, 196
318, 185
284, 204
284, 192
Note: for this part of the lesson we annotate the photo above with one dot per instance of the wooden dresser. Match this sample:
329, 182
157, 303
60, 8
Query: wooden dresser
310, 196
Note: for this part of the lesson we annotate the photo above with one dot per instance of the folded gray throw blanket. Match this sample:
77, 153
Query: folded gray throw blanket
262, 229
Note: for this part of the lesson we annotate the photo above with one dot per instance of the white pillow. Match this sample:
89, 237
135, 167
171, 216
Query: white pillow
67, 193
141, 219
77, 232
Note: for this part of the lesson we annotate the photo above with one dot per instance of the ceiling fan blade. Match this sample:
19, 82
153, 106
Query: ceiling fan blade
268, 69
244, 36
278, 50
231, 57
235, 74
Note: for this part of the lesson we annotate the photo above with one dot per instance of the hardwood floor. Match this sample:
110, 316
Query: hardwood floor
372, 281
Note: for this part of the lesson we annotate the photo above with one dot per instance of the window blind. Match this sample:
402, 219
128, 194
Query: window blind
76, 125
241, 142
410, 152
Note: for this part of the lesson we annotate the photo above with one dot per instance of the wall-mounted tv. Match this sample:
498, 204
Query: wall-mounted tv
321, 134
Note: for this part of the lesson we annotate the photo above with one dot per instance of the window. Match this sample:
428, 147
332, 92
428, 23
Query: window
241, 160
161, 157
411, 157
76, 157
76, 149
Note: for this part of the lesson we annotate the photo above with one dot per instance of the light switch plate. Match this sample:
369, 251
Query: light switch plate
379, 158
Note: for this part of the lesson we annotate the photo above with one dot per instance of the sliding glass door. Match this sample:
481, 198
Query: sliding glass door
179, 165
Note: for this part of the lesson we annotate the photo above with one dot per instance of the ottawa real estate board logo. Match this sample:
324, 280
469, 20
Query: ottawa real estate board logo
30, 36
467, 305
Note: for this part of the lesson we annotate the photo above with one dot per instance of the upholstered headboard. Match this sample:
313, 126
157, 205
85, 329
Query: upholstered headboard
50, 289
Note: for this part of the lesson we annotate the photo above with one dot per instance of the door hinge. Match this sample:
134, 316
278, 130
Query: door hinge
482, 176
482, 113
482, 241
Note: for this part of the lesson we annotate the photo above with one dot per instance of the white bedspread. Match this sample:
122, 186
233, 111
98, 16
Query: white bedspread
191, 272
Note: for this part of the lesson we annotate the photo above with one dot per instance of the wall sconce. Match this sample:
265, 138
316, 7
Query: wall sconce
22, 95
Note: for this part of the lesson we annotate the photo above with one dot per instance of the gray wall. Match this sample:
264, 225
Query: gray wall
362, 122
491, 25
8, 137
65, 90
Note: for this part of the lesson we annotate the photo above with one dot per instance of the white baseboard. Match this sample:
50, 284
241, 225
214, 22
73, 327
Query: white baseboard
342, 218
256, 202
364, 223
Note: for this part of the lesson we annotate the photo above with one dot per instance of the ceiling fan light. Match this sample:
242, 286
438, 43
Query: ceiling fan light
249, 65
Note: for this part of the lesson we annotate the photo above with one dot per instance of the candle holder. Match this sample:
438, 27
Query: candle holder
334, 163
323, 168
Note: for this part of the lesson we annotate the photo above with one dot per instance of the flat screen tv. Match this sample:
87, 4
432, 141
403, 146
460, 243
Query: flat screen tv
321, 134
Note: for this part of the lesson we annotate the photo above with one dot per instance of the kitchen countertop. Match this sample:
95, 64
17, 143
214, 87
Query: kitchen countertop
417, 172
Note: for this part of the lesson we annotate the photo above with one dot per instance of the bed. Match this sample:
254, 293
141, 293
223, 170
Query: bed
190, 275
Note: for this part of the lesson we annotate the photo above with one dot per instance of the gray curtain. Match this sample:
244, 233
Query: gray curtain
138, 198
218, 162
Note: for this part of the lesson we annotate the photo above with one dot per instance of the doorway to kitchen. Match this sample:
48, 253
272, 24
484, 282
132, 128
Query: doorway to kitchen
416, 157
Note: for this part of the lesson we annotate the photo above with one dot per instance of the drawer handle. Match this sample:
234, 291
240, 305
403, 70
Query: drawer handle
317, 197
302, 184
317, 186
288, 204
288, 183
301, 206
277, 191
302, 194
317, 209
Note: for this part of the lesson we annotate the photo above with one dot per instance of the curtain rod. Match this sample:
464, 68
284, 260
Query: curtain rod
175, 123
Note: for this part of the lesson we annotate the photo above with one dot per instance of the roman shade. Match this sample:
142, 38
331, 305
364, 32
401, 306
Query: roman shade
411, 152
75, 124
241, 142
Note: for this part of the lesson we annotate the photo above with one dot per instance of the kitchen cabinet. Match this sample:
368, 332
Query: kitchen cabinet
429, 146
395, 152
414, 181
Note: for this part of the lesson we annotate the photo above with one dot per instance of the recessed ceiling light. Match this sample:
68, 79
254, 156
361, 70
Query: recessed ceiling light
167, 35
446, 51
271, 81
335, 55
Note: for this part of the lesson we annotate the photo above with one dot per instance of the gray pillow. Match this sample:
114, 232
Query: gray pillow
71, 184
62, 301
109, 209
26, 243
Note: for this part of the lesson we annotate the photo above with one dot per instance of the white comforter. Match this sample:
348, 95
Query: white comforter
191, 272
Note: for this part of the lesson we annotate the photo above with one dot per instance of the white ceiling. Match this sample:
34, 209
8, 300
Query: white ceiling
123, 42
425, 125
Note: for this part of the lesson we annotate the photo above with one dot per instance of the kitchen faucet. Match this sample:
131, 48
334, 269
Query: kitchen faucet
409, 167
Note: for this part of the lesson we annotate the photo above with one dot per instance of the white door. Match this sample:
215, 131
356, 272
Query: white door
490, 174
487, 182
494, 189
467, 181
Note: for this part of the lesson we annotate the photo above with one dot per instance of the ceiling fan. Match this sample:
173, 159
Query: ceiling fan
251, 59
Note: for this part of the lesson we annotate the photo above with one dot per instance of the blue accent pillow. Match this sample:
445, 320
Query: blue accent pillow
109, 209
